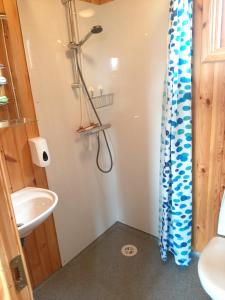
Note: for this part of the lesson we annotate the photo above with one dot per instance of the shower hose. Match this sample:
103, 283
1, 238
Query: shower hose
99, 120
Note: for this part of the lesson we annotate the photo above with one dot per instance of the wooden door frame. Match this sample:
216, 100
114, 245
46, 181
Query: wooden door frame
10, 245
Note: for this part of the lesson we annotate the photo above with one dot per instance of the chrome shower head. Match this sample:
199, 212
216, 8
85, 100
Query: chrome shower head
96, 29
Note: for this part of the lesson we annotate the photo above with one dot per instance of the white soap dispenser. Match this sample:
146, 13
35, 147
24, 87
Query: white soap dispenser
39, 152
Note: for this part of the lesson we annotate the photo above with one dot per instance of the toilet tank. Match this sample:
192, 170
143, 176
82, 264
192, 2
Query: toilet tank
221, 223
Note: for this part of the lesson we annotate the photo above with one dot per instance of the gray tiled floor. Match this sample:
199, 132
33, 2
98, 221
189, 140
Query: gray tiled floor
100, 272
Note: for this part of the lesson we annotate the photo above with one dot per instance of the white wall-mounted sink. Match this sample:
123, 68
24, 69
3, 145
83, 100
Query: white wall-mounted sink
32, 206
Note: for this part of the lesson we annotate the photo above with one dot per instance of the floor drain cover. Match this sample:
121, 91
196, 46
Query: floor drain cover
129, 250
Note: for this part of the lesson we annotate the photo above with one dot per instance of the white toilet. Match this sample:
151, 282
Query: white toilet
211, 265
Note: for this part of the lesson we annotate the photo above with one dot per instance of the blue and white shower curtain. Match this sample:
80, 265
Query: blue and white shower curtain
176, 141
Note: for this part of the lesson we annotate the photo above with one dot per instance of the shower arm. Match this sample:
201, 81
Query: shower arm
94, 30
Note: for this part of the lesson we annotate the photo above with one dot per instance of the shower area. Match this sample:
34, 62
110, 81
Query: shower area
97, 75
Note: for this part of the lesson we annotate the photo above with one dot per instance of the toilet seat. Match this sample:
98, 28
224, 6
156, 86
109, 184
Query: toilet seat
211, 268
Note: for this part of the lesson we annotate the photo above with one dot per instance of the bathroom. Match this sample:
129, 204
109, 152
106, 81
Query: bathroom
85, 94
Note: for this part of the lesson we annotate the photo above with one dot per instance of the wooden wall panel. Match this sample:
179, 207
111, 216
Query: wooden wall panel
208, 136
2, 10
12, 159
41, 248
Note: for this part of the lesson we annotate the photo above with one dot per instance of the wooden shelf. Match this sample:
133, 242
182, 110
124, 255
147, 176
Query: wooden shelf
15, 122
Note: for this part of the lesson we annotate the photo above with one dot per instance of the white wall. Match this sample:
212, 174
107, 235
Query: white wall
135, 33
